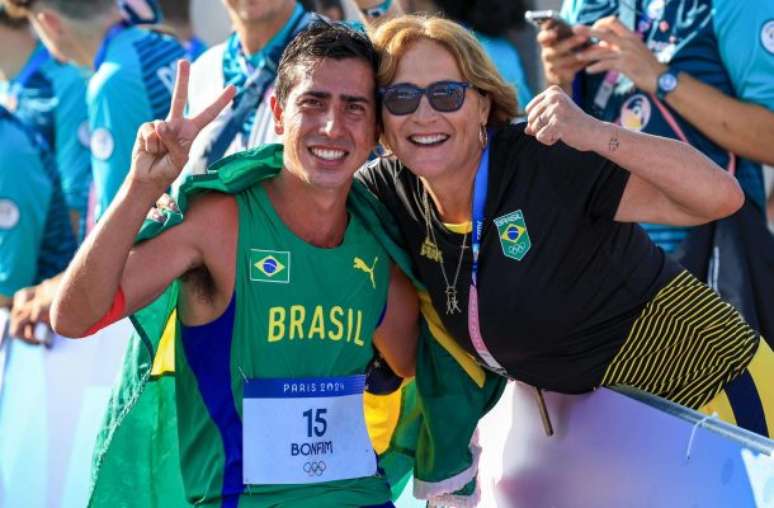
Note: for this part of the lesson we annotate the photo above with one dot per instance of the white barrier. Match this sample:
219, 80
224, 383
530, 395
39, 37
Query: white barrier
51, 408
610, 450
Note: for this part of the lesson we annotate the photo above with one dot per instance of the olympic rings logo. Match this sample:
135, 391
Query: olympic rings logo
314, 468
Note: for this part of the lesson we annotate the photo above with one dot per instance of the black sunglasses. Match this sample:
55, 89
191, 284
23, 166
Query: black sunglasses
444, 96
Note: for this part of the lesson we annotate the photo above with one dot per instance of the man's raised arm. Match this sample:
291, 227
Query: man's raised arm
109, 279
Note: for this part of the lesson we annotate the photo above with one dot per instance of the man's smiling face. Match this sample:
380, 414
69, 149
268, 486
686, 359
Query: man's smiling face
328, 121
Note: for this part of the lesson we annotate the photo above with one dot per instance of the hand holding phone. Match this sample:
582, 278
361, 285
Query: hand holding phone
559, 45
549, 20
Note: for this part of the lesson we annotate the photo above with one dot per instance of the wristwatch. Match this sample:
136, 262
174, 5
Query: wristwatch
377, 11
666, 83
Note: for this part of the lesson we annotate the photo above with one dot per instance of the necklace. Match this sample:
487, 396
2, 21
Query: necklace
452, 302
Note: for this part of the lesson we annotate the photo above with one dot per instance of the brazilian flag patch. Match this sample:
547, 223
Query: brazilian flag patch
269, 266
514, 237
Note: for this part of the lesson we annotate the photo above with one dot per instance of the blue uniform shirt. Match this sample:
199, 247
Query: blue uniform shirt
726, 44
36, 239
132, 84
50, 97
194, 47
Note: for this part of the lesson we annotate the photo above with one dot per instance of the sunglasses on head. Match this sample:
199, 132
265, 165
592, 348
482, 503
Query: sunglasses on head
443, 96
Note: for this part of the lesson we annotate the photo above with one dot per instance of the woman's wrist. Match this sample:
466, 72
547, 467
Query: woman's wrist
605, 138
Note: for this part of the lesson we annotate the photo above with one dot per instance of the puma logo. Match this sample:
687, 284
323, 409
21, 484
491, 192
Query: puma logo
361, 265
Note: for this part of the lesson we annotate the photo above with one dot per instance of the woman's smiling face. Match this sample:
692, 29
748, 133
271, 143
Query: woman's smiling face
431, 143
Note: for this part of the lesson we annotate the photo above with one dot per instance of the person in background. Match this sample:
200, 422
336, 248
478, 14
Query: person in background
247, 60
132, 76
36, 238
331, 9
50, 97
177, 15
700, 71
489, 20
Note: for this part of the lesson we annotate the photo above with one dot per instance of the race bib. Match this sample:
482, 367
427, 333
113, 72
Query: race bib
300, 431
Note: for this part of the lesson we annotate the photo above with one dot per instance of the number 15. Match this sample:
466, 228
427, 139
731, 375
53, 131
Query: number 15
320, 424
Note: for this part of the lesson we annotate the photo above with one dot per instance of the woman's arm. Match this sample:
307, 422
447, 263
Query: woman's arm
670, 183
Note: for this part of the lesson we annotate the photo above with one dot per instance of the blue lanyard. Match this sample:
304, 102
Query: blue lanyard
114, 32
33, 65
479, 201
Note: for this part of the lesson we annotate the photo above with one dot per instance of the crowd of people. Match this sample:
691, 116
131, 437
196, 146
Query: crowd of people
607, 230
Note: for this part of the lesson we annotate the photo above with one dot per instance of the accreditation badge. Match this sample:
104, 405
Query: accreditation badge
301, 431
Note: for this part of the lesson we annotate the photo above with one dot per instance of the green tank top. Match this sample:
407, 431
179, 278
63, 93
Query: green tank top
297, 311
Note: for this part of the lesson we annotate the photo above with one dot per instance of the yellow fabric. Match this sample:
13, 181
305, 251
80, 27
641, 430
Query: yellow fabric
761, 369
461, 228
468, 364
686, 344
721, 406
381, 414
164, 361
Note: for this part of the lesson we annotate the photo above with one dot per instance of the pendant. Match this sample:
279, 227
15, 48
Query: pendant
431, 251
452, 304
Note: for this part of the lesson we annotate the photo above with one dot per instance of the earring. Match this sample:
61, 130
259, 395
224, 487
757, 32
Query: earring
483, 137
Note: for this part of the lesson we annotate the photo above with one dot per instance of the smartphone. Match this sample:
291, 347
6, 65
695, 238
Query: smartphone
549, 19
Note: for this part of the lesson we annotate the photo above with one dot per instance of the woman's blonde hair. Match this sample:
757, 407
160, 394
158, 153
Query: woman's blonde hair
393, 38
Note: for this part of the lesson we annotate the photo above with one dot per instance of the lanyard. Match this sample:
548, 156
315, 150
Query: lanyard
628, 15
114, 32
268, 55
474, 327
479, 201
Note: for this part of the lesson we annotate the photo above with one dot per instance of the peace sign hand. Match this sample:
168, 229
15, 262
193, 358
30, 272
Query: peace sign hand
162, 146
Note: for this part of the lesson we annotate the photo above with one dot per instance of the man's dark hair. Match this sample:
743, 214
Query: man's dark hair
73, 9
322, 40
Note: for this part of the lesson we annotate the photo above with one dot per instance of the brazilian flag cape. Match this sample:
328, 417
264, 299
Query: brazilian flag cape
426, 426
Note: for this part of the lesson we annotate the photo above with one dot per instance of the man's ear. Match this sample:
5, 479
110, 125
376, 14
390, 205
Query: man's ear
277, 111
50, 30
49, 22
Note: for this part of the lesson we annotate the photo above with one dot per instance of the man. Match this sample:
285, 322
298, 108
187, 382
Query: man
247, 60
49, 96
33, 214
133, 75
133, 71
275, 267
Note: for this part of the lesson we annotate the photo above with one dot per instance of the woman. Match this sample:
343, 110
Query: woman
524, 235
